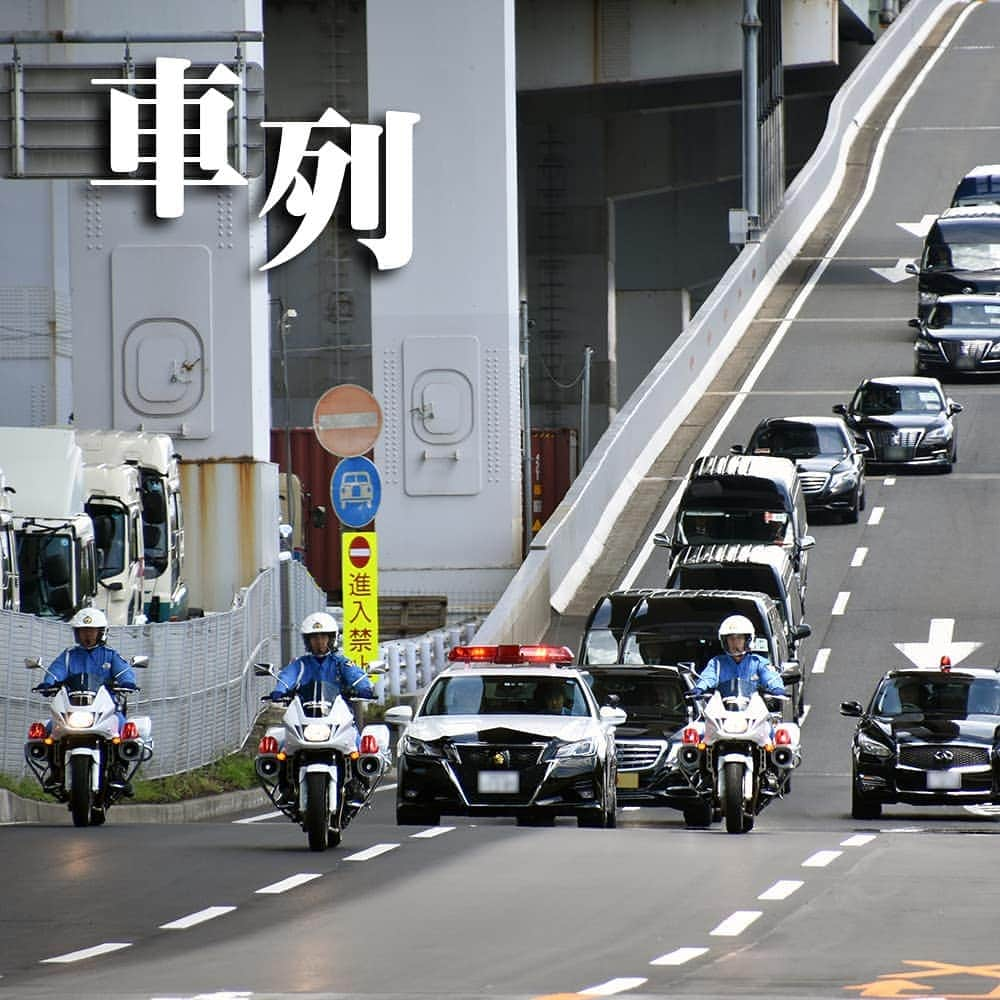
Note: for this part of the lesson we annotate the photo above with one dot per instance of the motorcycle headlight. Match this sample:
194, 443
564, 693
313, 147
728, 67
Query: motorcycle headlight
579, 748
80, 720
418, 748
735, 724
941, 433
873, 747
316, 732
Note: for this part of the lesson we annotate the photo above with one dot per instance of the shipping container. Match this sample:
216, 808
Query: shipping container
553, 469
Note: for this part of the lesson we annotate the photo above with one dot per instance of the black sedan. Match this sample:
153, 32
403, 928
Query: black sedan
828, 459
507, 731
653, 698
905, 420
927, 737
961, 335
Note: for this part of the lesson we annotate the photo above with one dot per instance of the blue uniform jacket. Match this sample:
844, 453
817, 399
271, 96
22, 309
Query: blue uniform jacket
752, 673
103, 660
334, 668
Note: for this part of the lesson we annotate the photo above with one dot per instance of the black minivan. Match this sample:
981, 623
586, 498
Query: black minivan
961, 256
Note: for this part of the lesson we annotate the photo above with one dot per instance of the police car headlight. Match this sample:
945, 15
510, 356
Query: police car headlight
316, 732
80, 720
413, 747
873, 747
735, 724
579, 748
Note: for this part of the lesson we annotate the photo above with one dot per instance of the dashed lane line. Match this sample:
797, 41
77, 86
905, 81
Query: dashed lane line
372, 852
875, 517
858, 840
260, 818
889, 481
612, 986
291, 882
736, 923
859, 557
782, 889
434, 831
679, 956
193, 919
840, 604
85, 953
821, 859
819, 664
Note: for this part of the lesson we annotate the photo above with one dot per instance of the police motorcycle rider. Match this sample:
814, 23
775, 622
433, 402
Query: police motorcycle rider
738, 671
91, 655
321, 662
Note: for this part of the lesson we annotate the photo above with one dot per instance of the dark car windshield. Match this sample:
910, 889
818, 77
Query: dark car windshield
643, 697
600, 646
954, 697
962, 256
506, 695
707, 527
980, 314
877, 399
798, 440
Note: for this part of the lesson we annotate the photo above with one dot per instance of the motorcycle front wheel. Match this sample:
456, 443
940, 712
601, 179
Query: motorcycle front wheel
737, 821
81, 798
317, 810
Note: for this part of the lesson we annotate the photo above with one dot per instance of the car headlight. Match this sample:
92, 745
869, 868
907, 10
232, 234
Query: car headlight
923, 344
927, 298
877, 749
846, 480
994, 351
579, 748
316, 732
80, 720
413, 747
941, 433
735, 724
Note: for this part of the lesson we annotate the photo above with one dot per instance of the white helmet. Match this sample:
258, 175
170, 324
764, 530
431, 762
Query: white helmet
736, 625
320, 623
90, 618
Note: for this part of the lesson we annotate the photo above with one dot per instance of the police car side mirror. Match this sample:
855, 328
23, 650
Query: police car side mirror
263, 669
398, 715
807, 542
32, 662
736, 449
852, 709
613, 716
139, 661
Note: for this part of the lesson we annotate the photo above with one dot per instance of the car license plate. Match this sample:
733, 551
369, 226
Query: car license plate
944, 779
628, 779
499, 782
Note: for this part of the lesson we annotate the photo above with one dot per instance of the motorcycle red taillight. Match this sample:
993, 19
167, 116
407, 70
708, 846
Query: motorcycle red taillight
130, 731
268, 744
782, 737
36, 731
690, 735
369, 744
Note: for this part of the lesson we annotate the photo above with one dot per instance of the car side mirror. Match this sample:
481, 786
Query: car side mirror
614, 700
861, 448
911, 268
803, 631
790, 672
32, 662
115, 586
398, 715
141, 661
807, 542
263, 669
613, 716
840, 408
852, 709
955, 407
662, 538
915, 323
736, 449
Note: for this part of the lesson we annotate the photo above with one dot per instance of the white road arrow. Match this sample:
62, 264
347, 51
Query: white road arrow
894, 274
928, 654
921, 228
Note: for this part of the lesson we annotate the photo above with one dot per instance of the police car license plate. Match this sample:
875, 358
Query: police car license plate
944, 779
498, 782
628, 779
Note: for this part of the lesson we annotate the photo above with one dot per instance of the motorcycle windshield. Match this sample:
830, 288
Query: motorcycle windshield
736, 687
317, 698
83, 687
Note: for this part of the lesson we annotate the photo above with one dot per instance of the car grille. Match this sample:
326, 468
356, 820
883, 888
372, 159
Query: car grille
525, 758
481, 755
813, 482
967, 351
926, 756
895, 445
638, 755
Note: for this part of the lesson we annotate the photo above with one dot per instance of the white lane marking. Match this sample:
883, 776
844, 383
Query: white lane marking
289, 883
371, 852
611, 987
679, 956
84, 953
858, 840
819, 664
805, 714
889, 481
260, 818
876, 515
840, 604
821, 859
434, 831
630, 809
781, 889
736, 923
386, 788
192, 919
859, 557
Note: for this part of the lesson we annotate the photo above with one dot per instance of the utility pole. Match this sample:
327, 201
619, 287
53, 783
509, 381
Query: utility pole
751, 135
526, 424
585, 407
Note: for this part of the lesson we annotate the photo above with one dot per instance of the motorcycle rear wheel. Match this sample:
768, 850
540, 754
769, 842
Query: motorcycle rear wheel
317, 819
736, 820
81, 798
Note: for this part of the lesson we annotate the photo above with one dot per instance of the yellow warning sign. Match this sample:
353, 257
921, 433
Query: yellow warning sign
925, 978
359, 580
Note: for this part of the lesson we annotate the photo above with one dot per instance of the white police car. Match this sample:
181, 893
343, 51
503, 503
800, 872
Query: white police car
507, 731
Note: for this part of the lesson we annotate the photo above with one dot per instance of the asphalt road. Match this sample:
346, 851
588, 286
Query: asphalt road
810, 904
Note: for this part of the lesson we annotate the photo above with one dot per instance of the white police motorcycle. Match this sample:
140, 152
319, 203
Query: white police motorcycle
329, 774
86, 757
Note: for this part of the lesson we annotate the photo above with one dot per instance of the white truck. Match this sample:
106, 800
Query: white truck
165, 594
56, 558
10, 597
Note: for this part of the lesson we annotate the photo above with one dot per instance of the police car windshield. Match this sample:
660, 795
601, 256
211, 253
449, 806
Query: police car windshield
506, 695
954, 697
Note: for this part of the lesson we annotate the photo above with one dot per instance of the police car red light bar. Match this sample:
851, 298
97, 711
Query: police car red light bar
36, 731
130, 731
510, 654
368, 744
782, 737
268, 744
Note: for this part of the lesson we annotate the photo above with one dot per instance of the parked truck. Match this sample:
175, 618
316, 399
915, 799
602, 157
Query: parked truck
165, 593
54, 536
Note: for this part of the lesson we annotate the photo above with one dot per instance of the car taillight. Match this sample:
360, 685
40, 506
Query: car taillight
36, 731
782, 737
130, 731
369, 744
690, 735
268, 744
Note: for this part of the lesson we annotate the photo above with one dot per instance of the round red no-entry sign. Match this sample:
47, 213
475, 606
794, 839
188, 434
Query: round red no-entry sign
359, 552
347, 420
